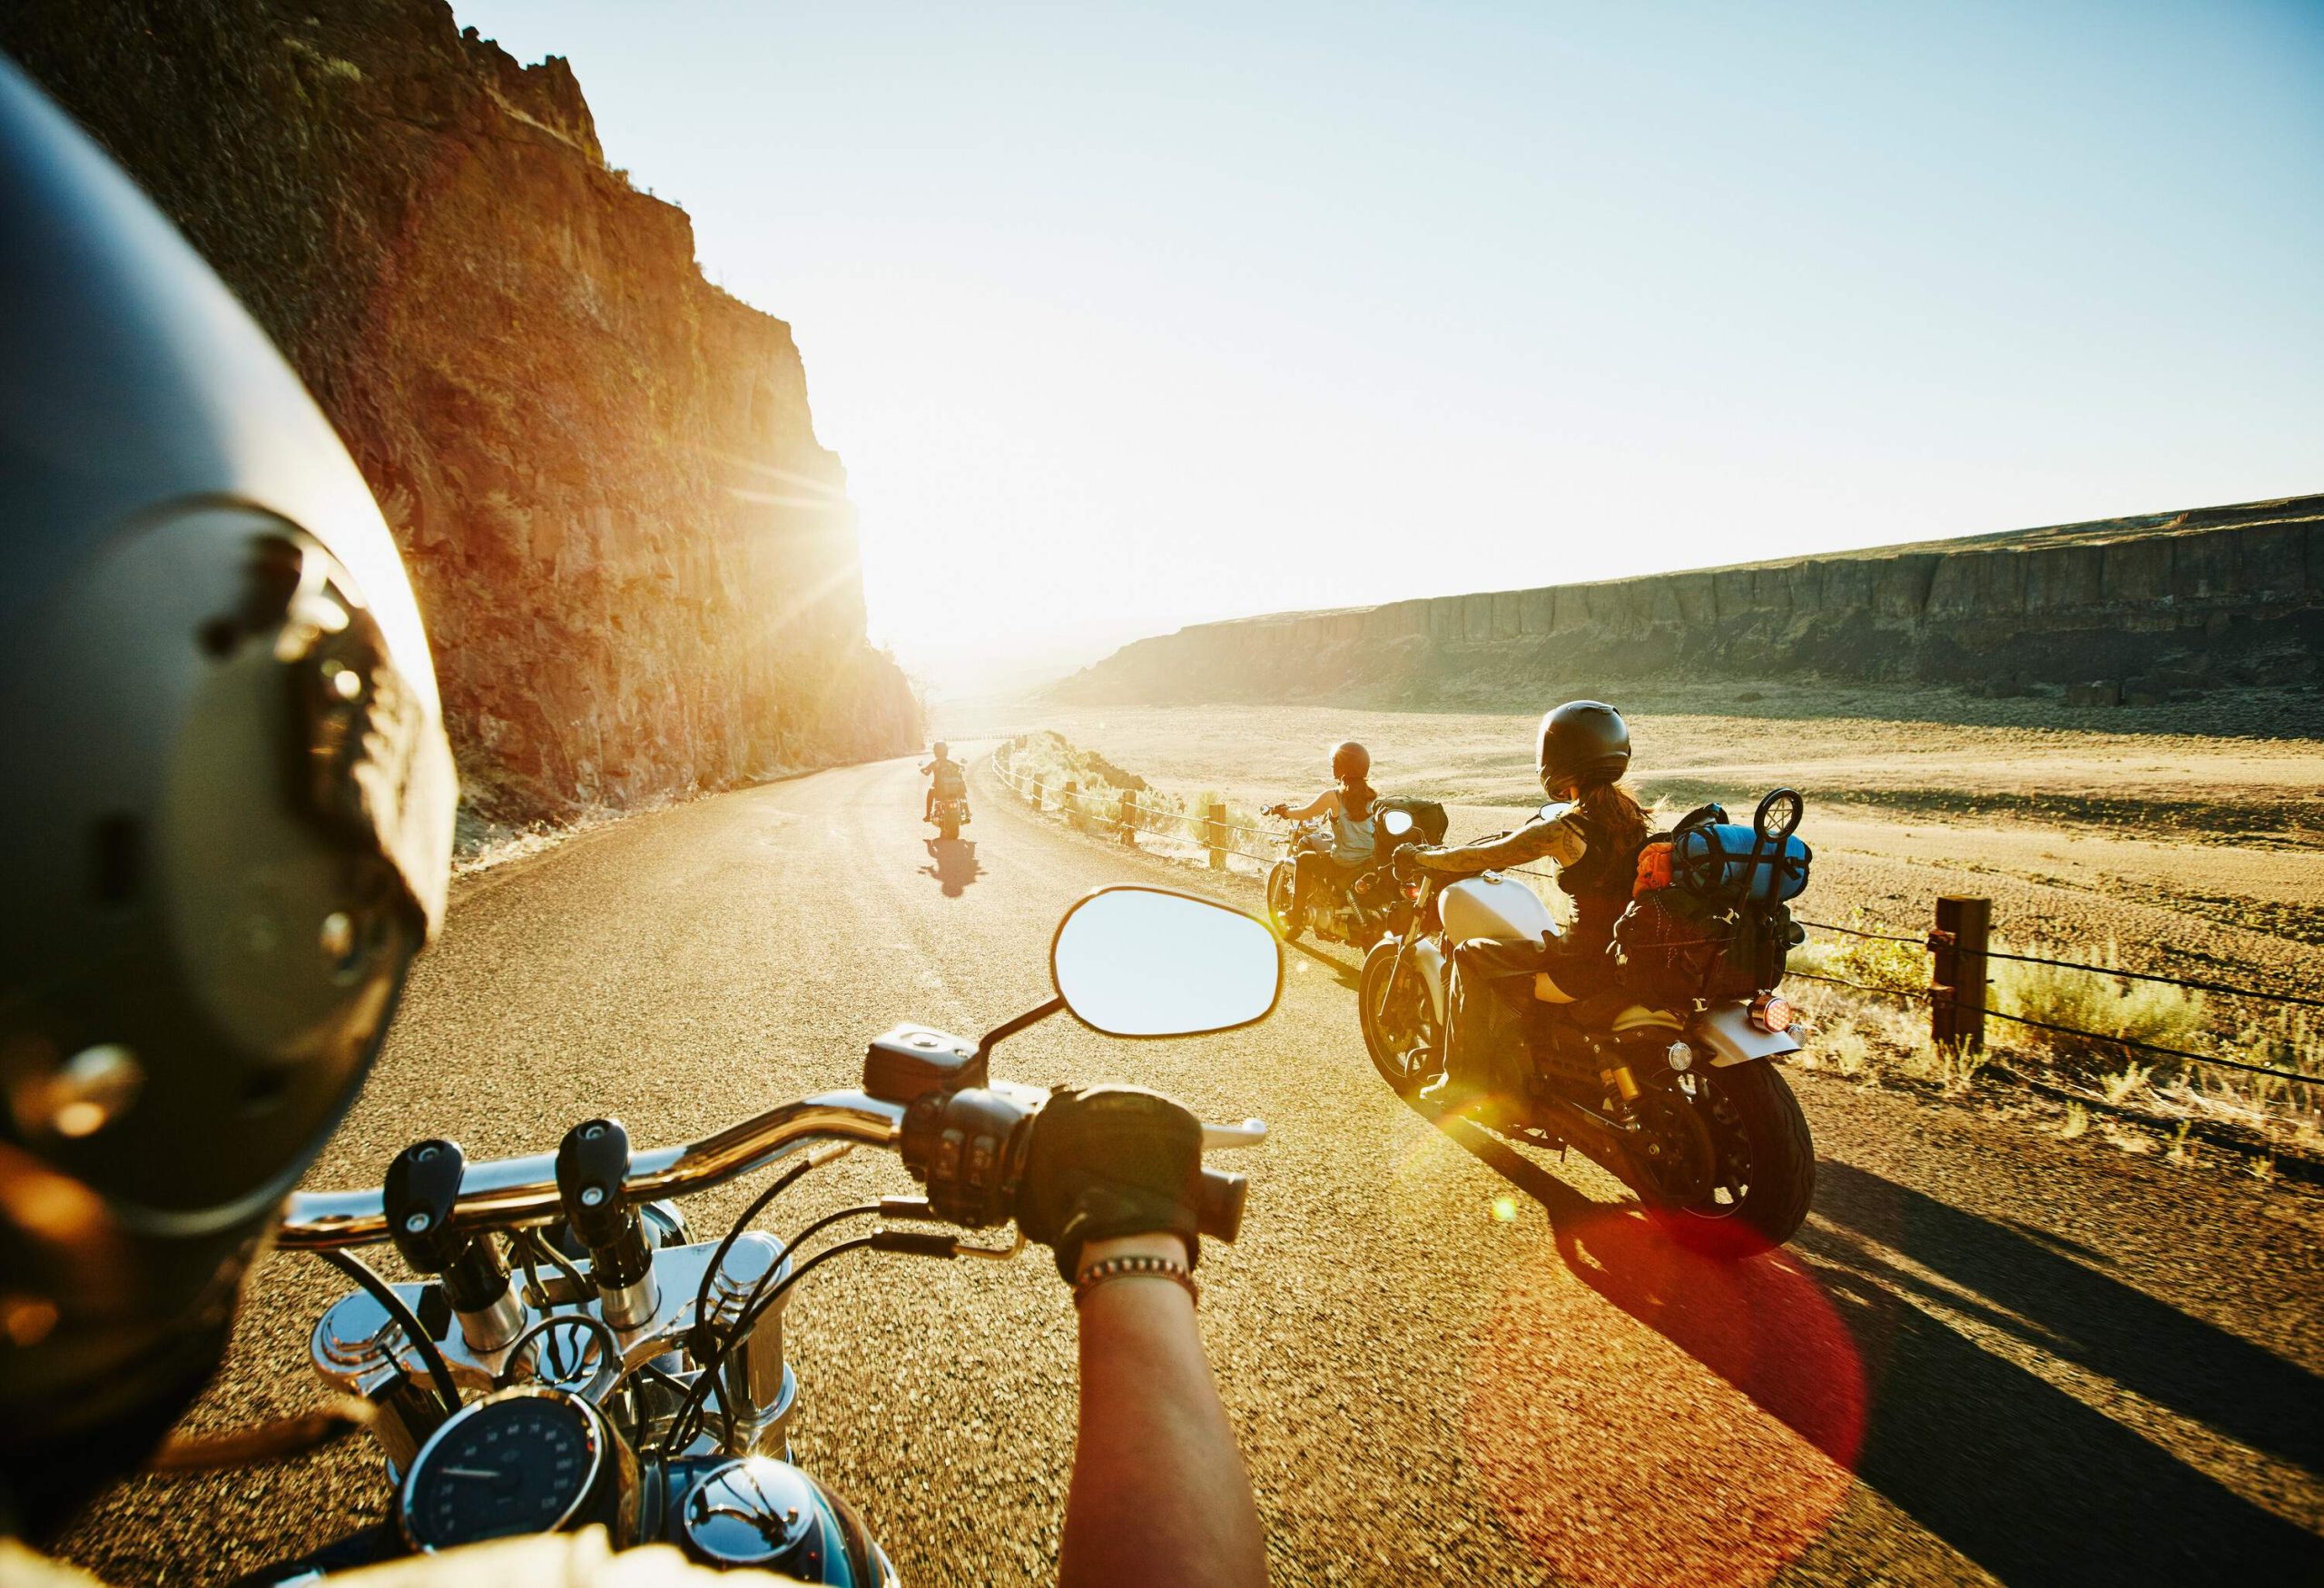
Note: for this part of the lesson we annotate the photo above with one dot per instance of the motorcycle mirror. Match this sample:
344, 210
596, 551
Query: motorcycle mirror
1396, 823
1554, 809
1148, 962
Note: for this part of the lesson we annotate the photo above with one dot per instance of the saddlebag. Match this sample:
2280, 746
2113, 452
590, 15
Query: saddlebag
1707, 917
1430, 823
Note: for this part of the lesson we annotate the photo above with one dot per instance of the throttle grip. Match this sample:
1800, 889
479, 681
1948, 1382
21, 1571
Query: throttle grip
1218, 1212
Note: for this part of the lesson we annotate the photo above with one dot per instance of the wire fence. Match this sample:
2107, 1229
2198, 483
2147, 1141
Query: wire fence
1197, 827
1934, 941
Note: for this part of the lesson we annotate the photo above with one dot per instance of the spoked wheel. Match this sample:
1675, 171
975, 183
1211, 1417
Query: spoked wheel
1282, 892
1761, 1174
1400, 1030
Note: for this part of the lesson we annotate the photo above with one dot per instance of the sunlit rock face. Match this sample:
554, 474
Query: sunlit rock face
2124, 611
637, 565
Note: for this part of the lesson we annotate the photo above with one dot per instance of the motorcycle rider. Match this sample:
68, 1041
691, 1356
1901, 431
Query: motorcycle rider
946, 779
226, 829
1353, 806
1583, 751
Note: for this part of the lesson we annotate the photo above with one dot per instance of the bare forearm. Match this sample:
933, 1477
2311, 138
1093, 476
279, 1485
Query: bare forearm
1159, 1494
1559, 842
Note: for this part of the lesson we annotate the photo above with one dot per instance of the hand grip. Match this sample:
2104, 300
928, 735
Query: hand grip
1218, 1212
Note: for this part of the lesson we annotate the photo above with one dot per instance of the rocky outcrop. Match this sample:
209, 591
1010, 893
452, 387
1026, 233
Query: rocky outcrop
638, 565
2127, 610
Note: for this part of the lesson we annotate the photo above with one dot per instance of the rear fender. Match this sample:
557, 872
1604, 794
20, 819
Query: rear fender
1726, 1029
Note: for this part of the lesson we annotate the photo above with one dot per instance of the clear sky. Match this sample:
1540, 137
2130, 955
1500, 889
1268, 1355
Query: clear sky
1125, 317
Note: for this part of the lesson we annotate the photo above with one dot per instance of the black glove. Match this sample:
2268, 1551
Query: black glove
1404, 864
1109, 1161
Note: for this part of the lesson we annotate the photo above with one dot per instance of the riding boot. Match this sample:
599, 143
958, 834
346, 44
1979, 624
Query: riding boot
1483, 1045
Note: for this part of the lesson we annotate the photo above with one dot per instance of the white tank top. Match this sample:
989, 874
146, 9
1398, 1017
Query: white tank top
1352, 842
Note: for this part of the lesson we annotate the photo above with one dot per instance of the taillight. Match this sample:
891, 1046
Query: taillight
1412, 890
1772, 1012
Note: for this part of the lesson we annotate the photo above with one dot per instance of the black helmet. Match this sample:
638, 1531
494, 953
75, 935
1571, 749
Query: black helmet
1583, 742
1350, 761
941, 746
227, 817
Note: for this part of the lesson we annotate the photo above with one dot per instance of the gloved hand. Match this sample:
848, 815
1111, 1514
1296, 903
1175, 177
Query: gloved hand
1404, 864
1109, 1161
1276, 811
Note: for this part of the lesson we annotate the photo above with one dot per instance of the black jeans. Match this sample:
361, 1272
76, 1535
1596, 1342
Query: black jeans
1312, 869
1485, 1051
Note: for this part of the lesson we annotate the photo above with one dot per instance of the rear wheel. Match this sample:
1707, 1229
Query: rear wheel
1282, 892
948, 826
1762, 1169
1400, 1028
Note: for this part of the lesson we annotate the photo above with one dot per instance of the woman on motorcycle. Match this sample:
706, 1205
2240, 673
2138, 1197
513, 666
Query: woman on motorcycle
1352, 804
1584, 750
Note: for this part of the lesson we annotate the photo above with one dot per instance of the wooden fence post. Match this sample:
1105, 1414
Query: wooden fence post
1129, 819
1036, 794
1957, 1009
1217, 819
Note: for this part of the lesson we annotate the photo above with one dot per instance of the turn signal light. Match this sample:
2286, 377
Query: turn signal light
1771, 1012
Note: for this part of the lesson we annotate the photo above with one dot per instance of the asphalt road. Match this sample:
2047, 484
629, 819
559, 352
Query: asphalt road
1988, 1355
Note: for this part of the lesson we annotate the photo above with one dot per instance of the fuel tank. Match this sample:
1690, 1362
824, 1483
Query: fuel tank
1494, 907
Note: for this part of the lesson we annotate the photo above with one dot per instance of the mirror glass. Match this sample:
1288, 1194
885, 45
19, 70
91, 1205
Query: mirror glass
1396, 823
1555, 808
1143, 963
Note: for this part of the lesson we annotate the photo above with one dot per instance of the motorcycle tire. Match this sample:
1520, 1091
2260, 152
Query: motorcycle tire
1391, 1036
1283, 889
948, 829
1762, 1138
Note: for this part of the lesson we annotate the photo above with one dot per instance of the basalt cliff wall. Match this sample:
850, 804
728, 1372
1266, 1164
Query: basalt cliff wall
637, 564
2128, 609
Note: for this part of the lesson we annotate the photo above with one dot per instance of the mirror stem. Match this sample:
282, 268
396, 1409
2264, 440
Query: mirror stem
1007, 1029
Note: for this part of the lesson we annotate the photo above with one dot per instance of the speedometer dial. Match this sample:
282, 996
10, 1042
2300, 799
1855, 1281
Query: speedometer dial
525, 1460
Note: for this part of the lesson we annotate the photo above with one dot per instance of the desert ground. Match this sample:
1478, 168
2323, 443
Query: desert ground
2187, 839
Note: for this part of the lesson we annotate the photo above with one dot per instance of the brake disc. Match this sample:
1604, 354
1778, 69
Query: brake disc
1672, 1149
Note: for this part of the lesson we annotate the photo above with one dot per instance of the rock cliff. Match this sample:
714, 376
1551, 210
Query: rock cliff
2125, 609
637, 564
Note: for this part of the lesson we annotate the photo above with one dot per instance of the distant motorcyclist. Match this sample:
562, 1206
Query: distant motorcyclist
946, 779
1353, 806
1583, 751
226, 831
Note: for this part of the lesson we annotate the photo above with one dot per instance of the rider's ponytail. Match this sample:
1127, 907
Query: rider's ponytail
1356, 796
1615, 812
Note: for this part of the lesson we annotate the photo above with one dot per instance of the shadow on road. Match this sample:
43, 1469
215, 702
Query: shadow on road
953, 864
1348, 975
2021, 1477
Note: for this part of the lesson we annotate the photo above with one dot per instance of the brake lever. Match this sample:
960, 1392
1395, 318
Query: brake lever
1220, 1138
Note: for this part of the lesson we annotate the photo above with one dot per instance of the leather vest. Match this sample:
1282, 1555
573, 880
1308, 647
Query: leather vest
1599, 883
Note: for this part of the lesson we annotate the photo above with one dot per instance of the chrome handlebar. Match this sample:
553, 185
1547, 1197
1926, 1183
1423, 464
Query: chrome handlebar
500, 1193
506, 1191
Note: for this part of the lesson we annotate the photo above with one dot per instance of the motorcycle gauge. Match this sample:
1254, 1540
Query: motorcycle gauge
524, 1460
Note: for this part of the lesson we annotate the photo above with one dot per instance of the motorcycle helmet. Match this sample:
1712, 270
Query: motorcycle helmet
943, 749
227, 821
1583, 742
1350, 761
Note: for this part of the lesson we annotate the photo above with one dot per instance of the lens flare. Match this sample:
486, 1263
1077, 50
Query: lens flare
1642, 1414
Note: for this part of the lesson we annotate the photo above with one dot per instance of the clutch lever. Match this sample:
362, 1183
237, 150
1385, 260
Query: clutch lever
1219, 1138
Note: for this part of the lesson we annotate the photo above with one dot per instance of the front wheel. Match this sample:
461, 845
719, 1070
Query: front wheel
1283, 893
1762, 1175
1400, 1028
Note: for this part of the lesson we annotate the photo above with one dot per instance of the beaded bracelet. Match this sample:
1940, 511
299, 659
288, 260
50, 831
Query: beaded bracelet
1097, 1274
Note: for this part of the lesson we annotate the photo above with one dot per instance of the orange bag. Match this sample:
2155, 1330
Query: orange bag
1653, 869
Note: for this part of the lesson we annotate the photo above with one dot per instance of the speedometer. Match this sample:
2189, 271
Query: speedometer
524, 1460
